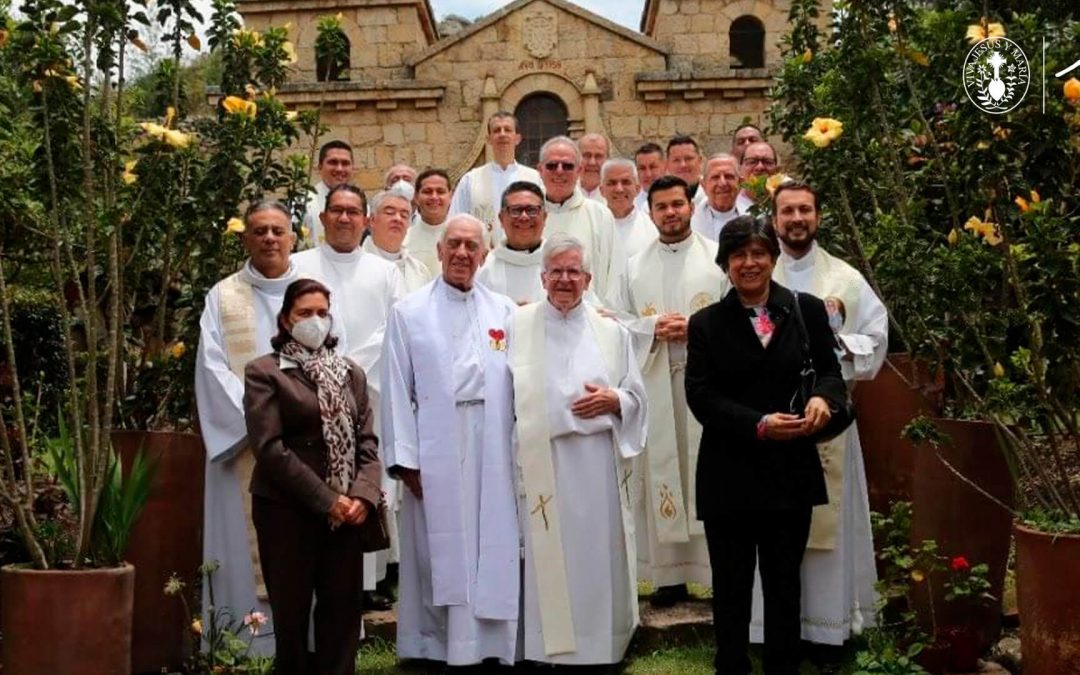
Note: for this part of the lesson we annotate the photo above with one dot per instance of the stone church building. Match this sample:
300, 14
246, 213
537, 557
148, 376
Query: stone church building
698, 67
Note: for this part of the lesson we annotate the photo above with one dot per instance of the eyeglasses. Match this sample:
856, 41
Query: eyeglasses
571, 274
518, 211
339, 211
555, 166
763, 161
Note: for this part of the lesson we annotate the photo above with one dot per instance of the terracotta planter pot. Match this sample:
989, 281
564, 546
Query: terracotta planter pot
884, 406
964, 522
166, 539
67, 621
1048, 591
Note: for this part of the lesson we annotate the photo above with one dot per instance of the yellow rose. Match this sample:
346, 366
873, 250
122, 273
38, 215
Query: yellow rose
234, 105
807, 56
177, 139
129, 176
823, 131
170, 116
953, 237
154, 129
999, 370
1072, 91
234, 225
1022, 204
290, 53
918, 576
177, 350
977, 32
196, 626
774, 181
1035, 198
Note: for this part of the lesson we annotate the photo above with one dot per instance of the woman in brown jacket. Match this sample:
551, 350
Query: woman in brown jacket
316, 480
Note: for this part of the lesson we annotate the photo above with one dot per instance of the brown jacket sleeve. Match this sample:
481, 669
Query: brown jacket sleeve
262, 413
367, 485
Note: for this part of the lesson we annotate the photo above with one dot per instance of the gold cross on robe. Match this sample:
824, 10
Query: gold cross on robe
541, 506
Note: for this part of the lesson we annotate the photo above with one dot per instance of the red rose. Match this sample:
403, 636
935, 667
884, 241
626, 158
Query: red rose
496, 334
960, 563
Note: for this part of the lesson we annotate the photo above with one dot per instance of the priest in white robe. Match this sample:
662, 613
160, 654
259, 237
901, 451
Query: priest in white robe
671, 279
591, 222
513, 267
238, 320
335, 168
838, 572
759, 159
447, 422
364, 286
478, 192
721, 190
651, 163
684, 161
619, 186
432, 203
390, 216
594, 150
578, 426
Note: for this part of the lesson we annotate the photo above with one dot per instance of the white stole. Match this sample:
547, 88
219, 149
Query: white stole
828, 280
702, 283
498, 566
481, 197
529, 364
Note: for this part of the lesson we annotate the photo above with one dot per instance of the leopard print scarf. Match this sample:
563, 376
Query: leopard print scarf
330, 373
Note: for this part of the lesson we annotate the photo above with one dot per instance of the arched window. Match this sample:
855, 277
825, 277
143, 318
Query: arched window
332, 56
747, 38
540, 117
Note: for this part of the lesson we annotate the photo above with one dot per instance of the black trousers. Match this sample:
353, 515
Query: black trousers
776, 541
301, 555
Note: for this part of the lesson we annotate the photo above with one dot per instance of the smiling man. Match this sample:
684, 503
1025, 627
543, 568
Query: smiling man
432, 209
447, 420
335, 168
684, 161
759, 159
744, 135
594, 150
390, 216
619, 186
513, 268
722, 190
650, 163
479, 191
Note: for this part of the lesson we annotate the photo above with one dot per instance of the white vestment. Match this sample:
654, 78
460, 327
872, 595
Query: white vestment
593, 224
641, 201
447, 410
671, 278
364, 287
708, 222
315, 205
415, 273
580, 587
515, 274
420, 241
838, 572
744, 202
479, 193
593, 194
636, 231
219, 395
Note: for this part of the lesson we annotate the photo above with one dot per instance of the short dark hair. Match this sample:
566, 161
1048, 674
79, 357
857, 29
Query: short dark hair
334, 145
682, 139
502, 115
649, 149
296, 289
666, 183
345, 187
428, 173
792, 184
740, 232
521, 186
748, 125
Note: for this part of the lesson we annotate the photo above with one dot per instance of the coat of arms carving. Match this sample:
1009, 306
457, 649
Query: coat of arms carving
539, 34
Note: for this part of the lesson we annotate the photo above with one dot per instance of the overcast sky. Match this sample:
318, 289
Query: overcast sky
625, 12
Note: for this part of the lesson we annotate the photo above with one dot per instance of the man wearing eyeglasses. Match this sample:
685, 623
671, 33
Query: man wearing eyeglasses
589, 221
759, 159
581, 414
513, 268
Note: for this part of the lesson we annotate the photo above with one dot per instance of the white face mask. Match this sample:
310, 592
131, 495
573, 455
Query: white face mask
312, 331
404, 188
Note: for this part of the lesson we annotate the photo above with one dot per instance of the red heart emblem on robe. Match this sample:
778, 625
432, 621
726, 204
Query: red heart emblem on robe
496, 334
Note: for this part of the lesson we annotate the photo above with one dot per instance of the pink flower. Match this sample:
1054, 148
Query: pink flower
254, 621
764, 325
960, 563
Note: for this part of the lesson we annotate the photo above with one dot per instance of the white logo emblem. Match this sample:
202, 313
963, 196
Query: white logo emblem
540, 35
996, 75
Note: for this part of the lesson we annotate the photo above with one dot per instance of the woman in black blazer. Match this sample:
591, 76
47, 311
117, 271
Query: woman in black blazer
758, 474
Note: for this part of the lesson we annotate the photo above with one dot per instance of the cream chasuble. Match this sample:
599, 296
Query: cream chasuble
664, 278
316, 204
420, 241
636, 231
447, 410
575, 473
237, 323
515, 274
479, 193
593, 224
415, 273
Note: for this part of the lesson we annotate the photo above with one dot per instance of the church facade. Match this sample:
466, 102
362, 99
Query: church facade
698, 67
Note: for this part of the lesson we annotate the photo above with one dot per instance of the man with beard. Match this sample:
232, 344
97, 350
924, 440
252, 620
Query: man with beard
838, 567
649, 161
432, 209
570, 212
447, 424
480, 190
619, 185
335, 168
594, 150
759, 159
673, 277
390, 215
721, 188
744, 135
684, 161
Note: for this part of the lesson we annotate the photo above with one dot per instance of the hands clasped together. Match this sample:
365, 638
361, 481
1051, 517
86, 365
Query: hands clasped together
786, 426
671, 327
348, 511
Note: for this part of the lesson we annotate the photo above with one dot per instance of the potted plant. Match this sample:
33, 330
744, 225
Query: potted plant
124, 226
967, 224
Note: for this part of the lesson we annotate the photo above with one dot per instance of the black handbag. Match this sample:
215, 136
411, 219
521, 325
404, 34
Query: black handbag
842, 415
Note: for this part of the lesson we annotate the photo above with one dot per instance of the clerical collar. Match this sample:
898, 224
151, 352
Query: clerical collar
525, 250
519, 258
678, 246
387, 255
420, 219
802, 264
628, 218
453, 293
575, 200
575, 312
334, 255
509, 167
729, 214
278, 284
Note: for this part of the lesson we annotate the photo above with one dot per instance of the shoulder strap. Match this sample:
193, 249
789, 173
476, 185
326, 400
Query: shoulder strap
804, 339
